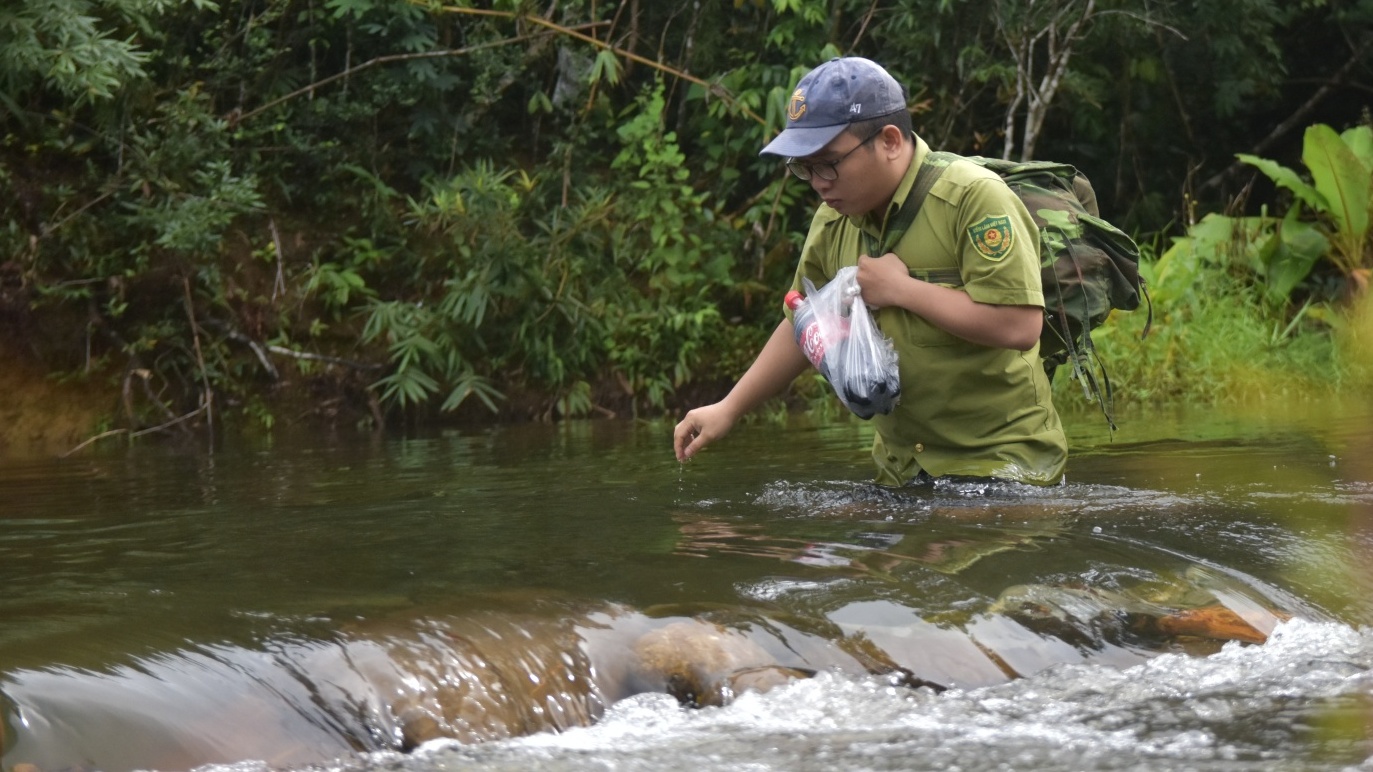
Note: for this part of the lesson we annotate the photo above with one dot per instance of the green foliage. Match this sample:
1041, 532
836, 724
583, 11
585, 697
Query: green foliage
337, 285
426, 358
455, 208
61, 44
1341, 166
1355, 340
1223, 346
533, 287
194, 221
1227, 325
655, 350
1278, 255
1272, 255
661, 235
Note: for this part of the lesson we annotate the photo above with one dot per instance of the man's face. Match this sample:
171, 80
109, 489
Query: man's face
856, 169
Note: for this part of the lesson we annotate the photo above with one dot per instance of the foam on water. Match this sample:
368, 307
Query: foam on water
1245, 707
823, 498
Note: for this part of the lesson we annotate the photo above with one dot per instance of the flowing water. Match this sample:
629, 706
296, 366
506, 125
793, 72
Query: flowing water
1195, 596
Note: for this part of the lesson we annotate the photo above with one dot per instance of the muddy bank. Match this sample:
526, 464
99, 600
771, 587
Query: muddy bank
47, 413
42, 415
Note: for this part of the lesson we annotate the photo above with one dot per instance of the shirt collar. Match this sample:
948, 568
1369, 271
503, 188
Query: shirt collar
871, 223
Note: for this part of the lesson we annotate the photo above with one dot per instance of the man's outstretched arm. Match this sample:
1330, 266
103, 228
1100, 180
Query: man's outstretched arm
776, 367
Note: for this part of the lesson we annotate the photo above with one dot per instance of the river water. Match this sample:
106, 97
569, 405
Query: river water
568, 597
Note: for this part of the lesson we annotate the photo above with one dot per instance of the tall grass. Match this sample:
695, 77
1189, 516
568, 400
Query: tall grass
1219, 346
1355, 341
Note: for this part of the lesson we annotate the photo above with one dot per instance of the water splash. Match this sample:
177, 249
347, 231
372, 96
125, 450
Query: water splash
1244, 708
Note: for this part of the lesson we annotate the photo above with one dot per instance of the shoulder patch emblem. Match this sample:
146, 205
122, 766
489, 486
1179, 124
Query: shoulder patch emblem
992, 236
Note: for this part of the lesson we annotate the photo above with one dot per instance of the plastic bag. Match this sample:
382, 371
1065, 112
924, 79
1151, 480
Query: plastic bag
836, 332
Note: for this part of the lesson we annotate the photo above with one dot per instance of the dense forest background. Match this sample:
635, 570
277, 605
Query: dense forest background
249, 211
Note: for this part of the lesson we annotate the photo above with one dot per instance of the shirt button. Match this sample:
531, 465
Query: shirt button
919, 447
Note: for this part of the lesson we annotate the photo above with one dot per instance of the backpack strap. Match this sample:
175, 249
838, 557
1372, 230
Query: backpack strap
930, 171
1083, 358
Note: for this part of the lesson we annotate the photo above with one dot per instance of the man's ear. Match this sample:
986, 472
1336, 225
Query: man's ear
891, 140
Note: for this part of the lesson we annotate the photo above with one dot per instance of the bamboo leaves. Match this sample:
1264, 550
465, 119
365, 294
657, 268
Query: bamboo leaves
66, 45
605, 67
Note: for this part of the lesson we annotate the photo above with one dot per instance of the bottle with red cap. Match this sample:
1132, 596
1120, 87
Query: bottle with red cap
813, 334
836, 333
807, 330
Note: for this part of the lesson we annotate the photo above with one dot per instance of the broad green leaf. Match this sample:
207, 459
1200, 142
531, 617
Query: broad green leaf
1341, 179
1360, 142
1298, 246
1284, 177
539, 103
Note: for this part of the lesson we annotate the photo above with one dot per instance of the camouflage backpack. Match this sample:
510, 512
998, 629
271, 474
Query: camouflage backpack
1088, 265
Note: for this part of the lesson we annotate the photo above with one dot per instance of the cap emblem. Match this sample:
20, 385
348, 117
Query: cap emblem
797, 107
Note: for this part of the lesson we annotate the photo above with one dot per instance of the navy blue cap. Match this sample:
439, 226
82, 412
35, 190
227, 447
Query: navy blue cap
829, 98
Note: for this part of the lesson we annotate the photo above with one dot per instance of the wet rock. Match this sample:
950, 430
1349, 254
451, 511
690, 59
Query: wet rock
701, 663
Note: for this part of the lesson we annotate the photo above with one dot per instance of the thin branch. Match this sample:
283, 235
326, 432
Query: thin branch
262, 357
144, 380
49, 229
574, 32
139, 433
200, 359
1023, 63
170, 423
100, 436
286, 352
1297, 117
1327, 82
258, 350
1145, 19
1059, 52
713, 88
387, 59
1176, 92
279, 286
863, 27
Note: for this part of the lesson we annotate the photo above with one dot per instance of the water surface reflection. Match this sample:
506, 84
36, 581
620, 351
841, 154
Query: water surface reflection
313, 603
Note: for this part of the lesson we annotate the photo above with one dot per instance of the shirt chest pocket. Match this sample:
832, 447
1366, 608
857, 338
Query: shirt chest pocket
930, 258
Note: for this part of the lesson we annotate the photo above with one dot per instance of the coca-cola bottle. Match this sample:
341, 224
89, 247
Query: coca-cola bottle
810, 333
838, 335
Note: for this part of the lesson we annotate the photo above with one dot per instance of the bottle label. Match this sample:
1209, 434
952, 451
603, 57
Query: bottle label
813, 345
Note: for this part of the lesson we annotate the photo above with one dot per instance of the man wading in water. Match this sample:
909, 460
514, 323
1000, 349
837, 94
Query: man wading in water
975, 399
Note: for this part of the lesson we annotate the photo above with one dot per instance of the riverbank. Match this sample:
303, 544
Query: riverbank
47, 414
42, 415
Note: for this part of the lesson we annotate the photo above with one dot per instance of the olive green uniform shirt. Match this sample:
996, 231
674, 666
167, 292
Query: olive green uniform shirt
966, 409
